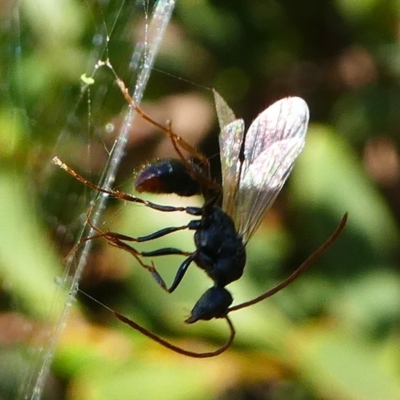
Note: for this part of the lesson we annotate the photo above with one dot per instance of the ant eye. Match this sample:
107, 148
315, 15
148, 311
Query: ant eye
213, 303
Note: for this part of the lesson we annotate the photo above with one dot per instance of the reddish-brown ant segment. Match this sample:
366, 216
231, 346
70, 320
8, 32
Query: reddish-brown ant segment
178, 143
117, 193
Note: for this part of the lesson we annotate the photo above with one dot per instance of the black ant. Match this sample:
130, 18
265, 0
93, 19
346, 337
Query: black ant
254, 169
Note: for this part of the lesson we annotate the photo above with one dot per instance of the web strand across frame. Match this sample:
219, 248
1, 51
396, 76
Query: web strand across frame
146, 51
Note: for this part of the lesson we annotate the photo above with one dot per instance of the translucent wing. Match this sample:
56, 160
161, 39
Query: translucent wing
224, 113
230, 143
272, 144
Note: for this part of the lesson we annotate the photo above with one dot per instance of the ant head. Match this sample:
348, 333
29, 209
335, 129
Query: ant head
213, 304
168, 176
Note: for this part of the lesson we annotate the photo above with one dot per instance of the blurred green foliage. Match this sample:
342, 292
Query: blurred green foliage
334, 333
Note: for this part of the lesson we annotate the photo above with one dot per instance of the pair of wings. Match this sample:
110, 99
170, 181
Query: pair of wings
272, 143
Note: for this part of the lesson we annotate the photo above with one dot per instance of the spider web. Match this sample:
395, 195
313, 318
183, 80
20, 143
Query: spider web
32, 280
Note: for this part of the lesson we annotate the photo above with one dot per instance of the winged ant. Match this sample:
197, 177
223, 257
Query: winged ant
254, 169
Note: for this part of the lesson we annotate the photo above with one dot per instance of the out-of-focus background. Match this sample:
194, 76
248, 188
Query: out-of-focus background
334, 333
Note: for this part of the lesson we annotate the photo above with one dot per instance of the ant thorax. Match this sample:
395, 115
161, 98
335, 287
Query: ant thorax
220, 249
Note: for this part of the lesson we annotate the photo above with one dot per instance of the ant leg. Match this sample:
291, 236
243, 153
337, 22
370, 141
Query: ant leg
178, 349
116, 239
162, 232
314, 256
124, 196
177, 141
112, 237
151, 268
155, 235
181, 271
166, 251
116, 242
167, 344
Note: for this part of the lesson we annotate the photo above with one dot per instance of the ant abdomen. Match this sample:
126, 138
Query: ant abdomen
214, 303
220, 251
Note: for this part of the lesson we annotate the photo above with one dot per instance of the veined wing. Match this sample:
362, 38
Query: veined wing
224, 112
230, 143
272, 144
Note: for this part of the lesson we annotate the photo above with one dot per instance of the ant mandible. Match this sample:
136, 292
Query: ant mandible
254, 169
